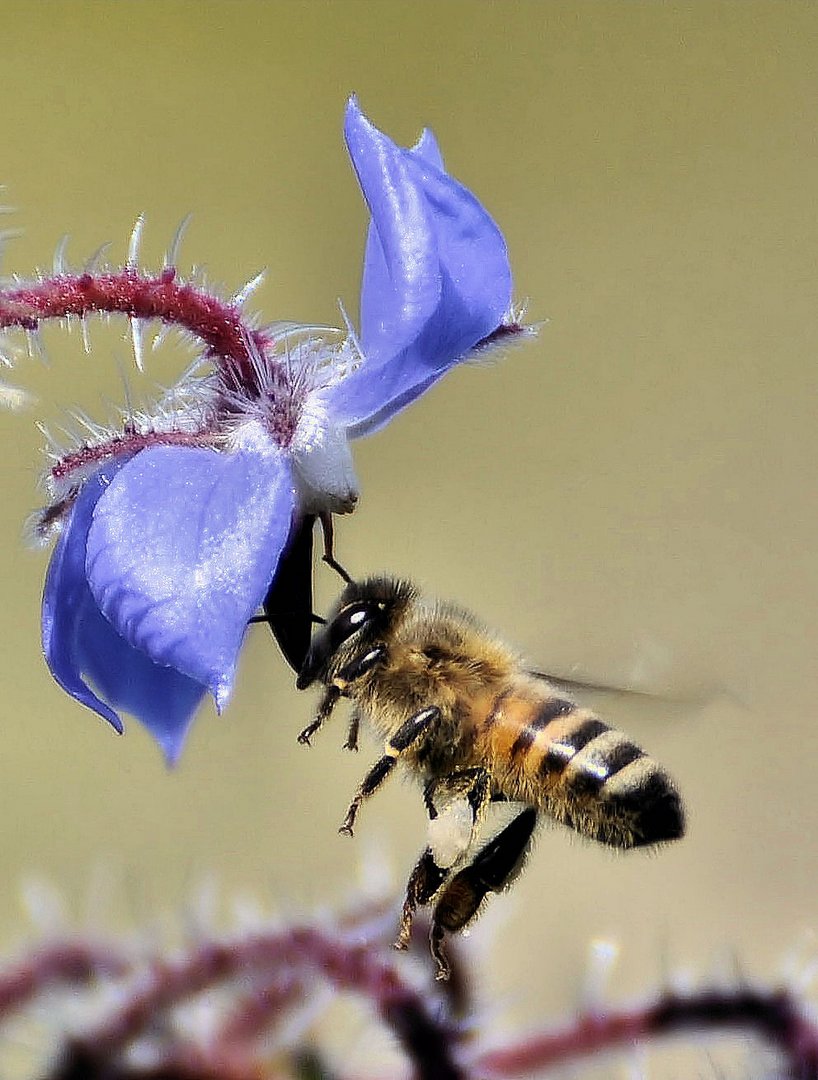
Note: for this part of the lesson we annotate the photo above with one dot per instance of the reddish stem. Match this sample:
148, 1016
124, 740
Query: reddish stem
64, 962
256, 1012
125, 445
772, 1014
427, 1040
219, 325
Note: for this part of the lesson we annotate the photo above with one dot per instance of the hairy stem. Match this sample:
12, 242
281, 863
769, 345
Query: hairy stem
230, 340
774, 1015
426, 1039
67, 962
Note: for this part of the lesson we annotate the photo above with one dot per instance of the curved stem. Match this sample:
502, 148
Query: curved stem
64, 962
427, 1040
774, 1015
231, 342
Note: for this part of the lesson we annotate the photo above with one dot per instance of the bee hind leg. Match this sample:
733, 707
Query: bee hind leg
472, 784
408, 735
424, 881
435, 866
493, 867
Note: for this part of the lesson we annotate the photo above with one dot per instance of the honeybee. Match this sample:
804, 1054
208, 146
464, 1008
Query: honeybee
455, 705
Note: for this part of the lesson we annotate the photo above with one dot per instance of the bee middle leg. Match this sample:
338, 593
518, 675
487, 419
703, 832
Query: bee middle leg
352, 731
492, 868
408, 735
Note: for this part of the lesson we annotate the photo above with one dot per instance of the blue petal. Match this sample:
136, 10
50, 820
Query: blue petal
401, 278
182, 549
436, 277
427, 150
161, 698
78, 639
65, 597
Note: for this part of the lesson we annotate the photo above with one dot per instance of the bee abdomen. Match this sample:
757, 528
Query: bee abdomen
597, 781
597, 767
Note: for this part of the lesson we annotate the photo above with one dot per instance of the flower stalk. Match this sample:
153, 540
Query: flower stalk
255, 985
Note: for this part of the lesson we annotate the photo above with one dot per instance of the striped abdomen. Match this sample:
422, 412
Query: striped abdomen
569, 763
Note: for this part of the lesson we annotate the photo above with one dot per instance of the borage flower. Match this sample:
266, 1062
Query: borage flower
174, 530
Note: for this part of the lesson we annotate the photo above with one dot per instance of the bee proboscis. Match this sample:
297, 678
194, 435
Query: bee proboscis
455, 705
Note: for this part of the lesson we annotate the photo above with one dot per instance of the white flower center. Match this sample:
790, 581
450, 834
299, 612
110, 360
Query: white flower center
322, 461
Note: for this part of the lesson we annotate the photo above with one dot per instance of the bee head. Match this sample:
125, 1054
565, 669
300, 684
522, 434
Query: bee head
364, 615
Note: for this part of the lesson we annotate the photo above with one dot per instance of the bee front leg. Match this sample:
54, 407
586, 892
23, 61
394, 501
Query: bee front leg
492, 868
328, 703
329, 552
408, 735
336, 689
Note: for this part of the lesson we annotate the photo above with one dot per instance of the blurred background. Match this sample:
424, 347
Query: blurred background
630, 498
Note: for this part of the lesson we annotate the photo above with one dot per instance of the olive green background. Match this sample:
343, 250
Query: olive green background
631, 497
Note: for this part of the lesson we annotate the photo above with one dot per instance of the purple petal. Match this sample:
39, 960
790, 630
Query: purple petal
426, 150
182, 549
78, 639
401, 278
161, 698
65, 598
436, 277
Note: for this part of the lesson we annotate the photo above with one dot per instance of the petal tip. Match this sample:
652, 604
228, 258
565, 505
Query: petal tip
172, 751
221, 691
426, 149
353, 109
355, 122
116, 723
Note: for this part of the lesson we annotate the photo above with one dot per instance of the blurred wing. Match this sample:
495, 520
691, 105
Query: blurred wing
580, 685
683, 699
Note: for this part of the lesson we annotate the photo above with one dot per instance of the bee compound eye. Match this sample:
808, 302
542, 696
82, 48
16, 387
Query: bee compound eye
351, 620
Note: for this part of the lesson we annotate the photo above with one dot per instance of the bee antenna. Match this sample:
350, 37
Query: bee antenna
317, 619
331, 561
329, 554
